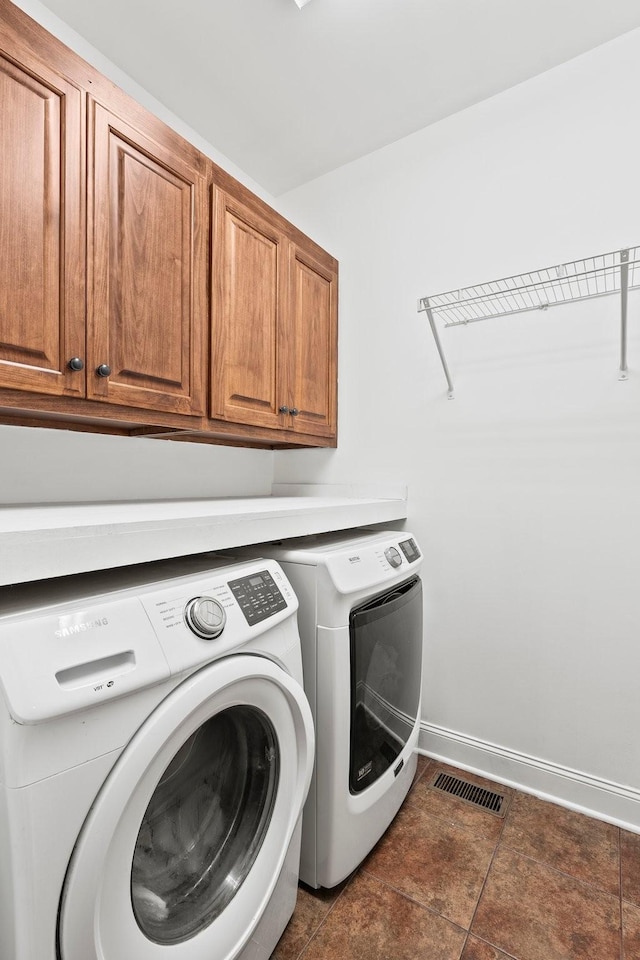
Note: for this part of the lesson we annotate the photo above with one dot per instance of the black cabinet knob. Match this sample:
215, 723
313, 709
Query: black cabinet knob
294, 411
283, 409
75, 364
104, 370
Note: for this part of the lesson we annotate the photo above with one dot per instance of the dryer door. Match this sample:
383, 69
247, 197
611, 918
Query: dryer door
186, 839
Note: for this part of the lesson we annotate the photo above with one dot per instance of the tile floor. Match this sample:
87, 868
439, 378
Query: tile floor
450, 881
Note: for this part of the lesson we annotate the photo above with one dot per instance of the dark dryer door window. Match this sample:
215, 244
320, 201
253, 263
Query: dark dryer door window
386, 666
204, 825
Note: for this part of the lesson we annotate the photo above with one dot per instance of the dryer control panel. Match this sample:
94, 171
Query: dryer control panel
371, 561
354, 561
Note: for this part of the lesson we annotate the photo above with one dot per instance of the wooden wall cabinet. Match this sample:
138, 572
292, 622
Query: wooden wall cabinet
41, 228
274, 323
312, 341
142, 289
147, 270
144, 319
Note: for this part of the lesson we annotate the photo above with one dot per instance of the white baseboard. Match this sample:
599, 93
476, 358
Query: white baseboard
587, 794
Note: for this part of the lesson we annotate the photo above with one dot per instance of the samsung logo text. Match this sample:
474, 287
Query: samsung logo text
81, 627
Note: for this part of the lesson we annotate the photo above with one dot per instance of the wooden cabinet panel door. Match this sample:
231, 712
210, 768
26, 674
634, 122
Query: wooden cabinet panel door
248, 259
41, 230
313, 339
147, 211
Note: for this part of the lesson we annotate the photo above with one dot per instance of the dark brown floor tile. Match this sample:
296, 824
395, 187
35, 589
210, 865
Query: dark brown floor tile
532, 912
585, 848
450, 808
312, 906
630, 857
440, 864
370, 921
479, 950
630, 931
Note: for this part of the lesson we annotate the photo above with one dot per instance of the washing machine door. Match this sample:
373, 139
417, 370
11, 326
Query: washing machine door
181, 851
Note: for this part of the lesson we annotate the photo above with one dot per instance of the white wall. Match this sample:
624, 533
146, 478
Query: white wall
524, 491
39, 465
59, 466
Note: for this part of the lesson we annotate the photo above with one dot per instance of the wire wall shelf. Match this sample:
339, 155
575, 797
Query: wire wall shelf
585, 279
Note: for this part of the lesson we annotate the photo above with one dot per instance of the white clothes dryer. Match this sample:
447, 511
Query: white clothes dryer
360, 621
156, 748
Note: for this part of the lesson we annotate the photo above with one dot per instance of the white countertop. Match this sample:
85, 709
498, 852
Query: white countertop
48, 540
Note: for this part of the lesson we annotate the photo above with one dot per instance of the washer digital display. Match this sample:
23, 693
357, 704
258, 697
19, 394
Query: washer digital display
257, 596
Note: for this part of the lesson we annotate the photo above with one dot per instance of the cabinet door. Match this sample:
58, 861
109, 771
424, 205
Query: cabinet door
313, 340
248, 289
147, 270
41, 230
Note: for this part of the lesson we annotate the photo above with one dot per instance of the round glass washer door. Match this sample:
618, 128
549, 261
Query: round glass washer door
185, 842
205, 824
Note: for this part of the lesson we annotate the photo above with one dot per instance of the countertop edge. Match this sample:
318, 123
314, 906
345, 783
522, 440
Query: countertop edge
39, 542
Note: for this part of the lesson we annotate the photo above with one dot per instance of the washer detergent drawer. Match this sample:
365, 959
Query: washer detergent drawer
54, 665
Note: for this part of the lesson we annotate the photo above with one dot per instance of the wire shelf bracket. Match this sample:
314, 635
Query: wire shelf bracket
600, 276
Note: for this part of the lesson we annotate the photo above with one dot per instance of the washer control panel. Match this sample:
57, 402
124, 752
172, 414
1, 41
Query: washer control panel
100, 636
258, 596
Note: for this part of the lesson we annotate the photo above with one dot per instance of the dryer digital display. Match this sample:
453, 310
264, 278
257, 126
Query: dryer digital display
410, 549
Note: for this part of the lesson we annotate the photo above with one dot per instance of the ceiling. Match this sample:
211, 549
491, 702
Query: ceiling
289, 94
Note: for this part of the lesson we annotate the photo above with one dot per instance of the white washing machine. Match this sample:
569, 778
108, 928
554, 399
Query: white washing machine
156, 748
360, 621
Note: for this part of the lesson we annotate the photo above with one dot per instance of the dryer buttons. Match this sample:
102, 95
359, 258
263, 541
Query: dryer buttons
205, 617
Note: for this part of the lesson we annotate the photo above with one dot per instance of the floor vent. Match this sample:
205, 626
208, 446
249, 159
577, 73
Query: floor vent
495, 803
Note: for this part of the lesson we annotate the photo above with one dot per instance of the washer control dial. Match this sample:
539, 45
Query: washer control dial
205, 617
393, 557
